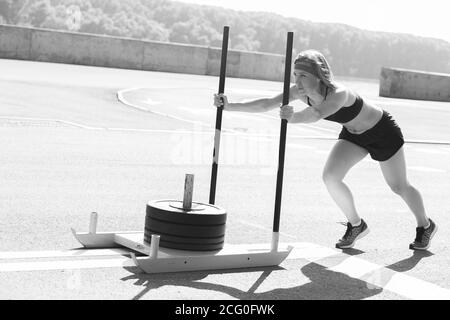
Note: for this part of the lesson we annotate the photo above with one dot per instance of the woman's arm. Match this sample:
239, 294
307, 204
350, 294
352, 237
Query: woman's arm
315, 113
257, 105
307, 115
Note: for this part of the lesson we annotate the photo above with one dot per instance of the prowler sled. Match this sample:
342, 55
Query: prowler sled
152, 258
182, 236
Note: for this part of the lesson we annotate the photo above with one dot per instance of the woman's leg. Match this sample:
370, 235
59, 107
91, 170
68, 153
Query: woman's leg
394, 172
342, 158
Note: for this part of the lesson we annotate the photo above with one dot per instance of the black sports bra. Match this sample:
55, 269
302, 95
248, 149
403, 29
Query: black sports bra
344, 114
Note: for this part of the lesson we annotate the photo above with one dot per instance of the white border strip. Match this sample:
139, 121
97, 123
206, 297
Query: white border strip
371, 273
66, 265
10, 255
224, 131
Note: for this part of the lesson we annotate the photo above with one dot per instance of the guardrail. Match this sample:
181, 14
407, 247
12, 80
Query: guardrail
37, 44
412, 84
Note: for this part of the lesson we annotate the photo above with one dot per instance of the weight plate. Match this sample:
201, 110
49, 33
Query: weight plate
179, 205
203, 214
189, 246
194, 240
185, 230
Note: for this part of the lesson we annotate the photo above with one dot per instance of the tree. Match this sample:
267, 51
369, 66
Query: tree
350, 51
11, 10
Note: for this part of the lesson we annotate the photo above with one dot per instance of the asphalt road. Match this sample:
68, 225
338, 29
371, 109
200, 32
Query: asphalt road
78, 139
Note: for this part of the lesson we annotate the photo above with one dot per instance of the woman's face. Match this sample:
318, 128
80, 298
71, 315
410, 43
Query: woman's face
306, 82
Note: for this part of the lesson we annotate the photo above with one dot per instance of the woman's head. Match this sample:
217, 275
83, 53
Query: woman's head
315, 64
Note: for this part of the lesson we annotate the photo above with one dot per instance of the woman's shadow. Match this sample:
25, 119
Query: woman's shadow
323, 284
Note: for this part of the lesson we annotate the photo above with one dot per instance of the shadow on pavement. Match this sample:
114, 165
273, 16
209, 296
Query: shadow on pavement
409, 263
324, 284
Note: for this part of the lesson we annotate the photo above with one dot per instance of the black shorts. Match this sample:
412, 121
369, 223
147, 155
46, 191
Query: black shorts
382, 141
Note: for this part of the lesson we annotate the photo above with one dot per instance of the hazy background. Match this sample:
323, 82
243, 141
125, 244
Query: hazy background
417, 17
351, 50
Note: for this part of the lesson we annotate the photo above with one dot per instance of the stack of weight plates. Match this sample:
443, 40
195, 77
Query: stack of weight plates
202, 228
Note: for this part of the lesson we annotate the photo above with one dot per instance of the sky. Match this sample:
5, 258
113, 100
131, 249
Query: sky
429, 18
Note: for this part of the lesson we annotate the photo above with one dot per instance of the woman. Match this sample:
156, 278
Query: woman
367, 129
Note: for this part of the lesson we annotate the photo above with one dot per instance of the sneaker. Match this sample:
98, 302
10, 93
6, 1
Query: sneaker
423, 237
352, 234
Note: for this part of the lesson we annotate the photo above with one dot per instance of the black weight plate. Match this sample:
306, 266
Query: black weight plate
203, 214
186, 230
148, 239
190, 246
167, 237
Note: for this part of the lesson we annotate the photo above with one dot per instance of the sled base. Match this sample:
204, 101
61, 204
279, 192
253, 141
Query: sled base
228, 258
165, 260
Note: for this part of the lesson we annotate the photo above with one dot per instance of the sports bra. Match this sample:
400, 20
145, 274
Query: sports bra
344, 114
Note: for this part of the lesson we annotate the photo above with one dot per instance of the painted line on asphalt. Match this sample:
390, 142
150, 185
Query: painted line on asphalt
373, 274
9, 255
122, 99
426, 169
376, 276
440, 151
209, 132
399, 283
66, 265
174, 131
50, 120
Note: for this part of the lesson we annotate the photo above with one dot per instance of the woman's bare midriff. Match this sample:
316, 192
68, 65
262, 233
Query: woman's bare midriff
365, 120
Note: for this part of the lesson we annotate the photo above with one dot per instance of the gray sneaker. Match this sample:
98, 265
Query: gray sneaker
423, 237
352, 234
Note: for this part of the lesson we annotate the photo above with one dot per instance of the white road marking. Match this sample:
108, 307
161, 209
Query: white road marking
262, 117
432, 151
371, 273
51, 120
355, 267
299, 146
200, 124
426, 169
63, 253
414, 288
439, 106
121, 98
65, 265
198, 111
200, 131
151, 102
82, 126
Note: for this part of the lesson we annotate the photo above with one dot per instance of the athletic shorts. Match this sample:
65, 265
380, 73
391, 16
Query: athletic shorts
382, 140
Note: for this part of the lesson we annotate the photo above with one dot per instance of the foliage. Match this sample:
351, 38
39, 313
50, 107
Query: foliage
350, 51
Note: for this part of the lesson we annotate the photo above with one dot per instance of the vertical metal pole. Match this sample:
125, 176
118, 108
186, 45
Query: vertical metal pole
223, 68
93, 223
154, 246
282, 149
188, 191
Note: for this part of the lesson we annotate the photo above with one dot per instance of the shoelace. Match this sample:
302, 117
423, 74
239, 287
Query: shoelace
419, 234
348, 232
